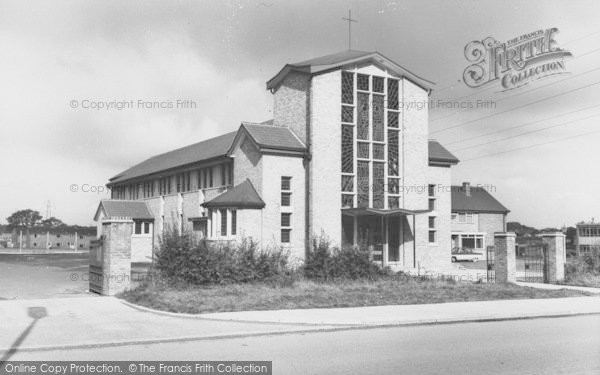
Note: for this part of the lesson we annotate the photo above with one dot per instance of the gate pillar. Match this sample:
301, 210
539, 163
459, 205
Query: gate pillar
555, 245
110, 263
506, 261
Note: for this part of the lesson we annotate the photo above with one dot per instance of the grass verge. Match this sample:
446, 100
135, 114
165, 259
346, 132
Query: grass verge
308, 294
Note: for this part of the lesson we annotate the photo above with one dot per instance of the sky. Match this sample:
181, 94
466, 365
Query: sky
59, 60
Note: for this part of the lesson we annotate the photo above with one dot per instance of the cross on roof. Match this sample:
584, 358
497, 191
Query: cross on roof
350, 20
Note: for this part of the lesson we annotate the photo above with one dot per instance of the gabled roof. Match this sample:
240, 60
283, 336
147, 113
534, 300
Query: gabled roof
478, 201
124, 209
209, 149
344, 58
271, 138
243, 195
439, 154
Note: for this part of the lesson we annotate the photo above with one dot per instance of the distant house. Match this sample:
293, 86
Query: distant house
587, 239
61, 238
476, 215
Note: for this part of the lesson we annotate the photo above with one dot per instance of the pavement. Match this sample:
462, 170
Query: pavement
41, 251
88, 322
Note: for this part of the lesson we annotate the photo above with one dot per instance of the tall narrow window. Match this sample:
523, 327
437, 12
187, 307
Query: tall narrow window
347, 88
233, 222
210, 177
378, 185
363, 116
223, 174
363, 82
363, 183
378, 84
286, 199
392, 94
378, 113
286, 183
223, 222
393, 161
347, 149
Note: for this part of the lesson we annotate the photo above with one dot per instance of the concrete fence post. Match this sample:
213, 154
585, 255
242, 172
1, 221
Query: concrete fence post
116, 257
506, 259
555, 247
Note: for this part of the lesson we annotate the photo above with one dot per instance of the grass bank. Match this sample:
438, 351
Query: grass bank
305, 294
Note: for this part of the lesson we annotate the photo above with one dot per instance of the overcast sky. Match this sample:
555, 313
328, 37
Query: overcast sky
220, 54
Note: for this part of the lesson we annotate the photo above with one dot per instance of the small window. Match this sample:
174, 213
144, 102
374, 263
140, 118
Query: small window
462, 218
210, 177
431, 190
431, 204
81, 246
138, 227
432, 236
286, 199
431, 222
453, 216
286, 183
58, 244
363, 82
146, 228
286, 219
378, 84
285, 235
233, 222
223, 222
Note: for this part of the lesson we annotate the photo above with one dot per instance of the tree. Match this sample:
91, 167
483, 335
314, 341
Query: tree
52, 222
24, 219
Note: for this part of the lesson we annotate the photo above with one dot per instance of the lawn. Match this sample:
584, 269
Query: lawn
308, 294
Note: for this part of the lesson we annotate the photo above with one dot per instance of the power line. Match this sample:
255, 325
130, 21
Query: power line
524, 92
531, 146
522, 125
525, 133
514, 108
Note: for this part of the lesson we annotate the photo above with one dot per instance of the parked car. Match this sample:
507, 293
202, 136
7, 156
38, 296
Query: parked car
463, 254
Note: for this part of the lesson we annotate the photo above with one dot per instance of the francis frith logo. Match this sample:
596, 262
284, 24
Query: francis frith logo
514, 63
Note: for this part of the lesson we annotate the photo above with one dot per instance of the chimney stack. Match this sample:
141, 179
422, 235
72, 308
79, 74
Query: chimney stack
467, 188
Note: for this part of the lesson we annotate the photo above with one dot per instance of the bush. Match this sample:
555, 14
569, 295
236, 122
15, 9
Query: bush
583, 270
182, 259
323, 263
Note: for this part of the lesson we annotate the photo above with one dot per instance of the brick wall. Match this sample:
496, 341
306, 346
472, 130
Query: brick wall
290, 103
141, 248
490, 223
248, 164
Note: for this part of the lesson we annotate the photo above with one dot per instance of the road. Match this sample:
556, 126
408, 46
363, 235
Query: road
569, 345
42, 275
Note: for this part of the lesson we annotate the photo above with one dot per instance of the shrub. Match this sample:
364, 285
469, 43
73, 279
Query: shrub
323, 263
182, 259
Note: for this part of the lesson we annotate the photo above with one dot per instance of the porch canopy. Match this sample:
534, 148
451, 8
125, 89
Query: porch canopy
365, 211
384, 215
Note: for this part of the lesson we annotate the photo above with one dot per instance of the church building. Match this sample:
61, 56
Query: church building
346, 156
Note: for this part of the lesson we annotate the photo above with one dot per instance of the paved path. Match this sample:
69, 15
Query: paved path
105, 321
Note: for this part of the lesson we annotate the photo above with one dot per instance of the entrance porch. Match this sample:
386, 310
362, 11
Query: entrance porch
389, 234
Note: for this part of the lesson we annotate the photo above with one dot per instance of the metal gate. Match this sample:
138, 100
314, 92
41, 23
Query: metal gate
491, 264
96, 266
532, 263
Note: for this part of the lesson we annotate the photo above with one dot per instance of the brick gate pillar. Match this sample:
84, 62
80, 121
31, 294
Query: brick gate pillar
506, 260
116, 257
555, 250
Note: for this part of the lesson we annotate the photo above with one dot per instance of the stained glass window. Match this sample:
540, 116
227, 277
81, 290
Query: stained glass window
347, 201
392, 94
378, 84
393, 202
347, 114
378, 113
363, 183
393, 186
347, 88
378, 151
392, 119
363, 116
378, 185
363, 150
393, 153
348, 183
347, 149
363, 82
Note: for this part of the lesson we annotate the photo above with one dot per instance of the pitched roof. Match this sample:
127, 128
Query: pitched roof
274, 137
339, 59
115, 208
438, 153
243, 195
205, 150
478, 201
